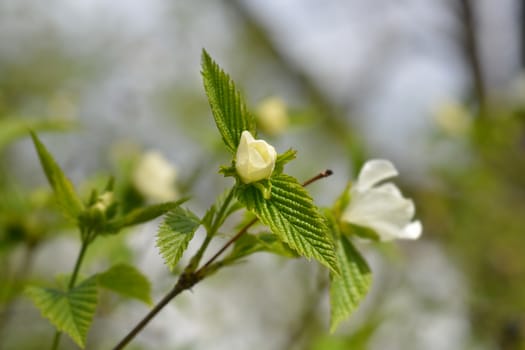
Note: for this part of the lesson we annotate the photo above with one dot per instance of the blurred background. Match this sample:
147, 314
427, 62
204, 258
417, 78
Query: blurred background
438, 87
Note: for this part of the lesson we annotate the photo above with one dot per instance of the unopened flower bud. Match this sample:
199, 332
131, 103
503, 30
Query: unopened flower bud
255, 159
104, 201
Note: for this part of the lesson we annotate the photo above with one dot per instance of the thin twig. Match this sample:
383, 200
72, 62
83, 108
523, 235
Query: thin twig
225, 246
189, 278
319, 176
186, 281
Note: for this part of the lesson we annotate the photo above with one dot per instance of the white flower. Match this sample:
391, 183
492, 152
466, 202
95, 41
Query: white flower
255, 159
381, 207
272, 116
154, 177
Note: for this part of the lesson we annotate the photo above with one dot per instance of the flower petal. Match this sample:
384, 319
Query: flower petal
247, 137
386, 231
373, 172
255, 159
413, 230
383, 204
388, 188
381, 207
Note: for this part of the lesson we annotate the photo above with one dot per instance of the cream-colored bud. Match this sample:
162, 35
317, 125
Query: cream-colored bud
255, 159
104, 201
272, 116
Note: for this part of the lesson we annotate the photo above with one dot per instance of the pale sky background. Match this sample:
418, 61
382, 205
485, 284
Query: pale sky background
392, 62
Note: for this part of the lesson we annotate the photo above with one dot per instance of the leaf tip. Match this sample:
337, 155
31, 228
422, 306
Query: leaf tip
34, 137
204, 54
333, 326
206, 60
333, 266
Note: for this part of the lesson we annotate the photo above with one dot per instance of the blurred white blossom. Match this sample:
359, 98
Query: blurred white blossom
381, 207
453, 118
255, 159
272, 116
154, 177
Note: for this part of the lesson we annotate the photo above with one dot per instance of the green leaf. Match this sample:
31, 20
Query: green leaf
249, 244
292, 216
246, 245
349, 230
282, 159
141, 215
342, 202
226, 102
210, 218
207, 219
127, 281
175, 233
70, 312
272, 244
351, 286
65, 194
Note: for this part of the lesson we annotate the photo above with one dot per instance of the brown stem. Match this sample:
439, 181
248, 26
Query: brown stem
186, 281
189, 278
225, 246
319, 176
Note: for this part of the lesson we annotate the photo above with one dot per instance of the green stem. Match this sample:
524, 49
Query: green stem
76, 269
195, 260
219, 219
56, 340
78, 263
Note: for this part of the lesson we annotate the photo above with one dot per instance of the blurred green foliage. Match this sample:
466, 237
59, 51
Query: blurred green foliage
478, 214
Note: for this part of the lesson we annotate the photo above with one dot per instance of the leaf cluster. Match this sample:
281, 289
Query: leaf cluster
281, 203
71, 309
297, 226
